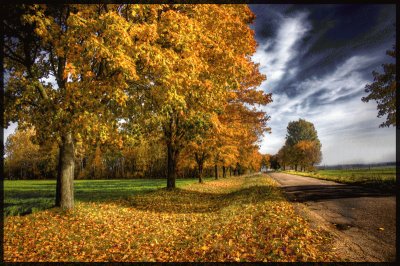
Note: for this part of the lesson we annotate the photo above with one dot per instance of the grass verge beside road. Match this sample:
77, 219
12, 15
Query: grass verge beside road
384, 178
232, 219
29, 196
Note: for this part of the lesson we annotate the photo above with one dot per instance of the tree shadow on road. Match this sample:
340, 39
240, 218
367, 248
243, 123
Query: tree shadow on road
323, 192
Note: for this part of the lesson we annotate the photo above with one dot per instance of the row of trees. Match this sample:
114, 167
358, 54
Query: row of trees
302, 149
177, 75
27, 160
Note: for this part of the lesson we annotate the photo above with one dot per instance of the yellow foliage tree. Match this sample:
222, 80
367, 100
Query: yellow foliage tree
198, 60
91, 52
309, 153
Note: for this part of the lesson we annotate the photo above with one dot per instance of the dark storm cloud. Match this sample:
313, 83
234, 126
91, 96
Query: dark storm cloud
268, 20
318, 59
336, 31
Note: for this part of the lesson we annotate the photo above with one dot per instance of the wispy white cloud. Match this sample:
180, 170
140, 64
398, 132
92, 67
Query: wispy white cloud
275, 55
343, 81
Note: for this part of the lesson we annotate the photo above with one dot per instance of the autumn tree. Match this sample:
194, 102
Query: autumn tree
284, 156
199, 56
68, 69
255, 162
28, 160
300, 130
87, 75
309, 153
383, 91
302, 146
200, 149
21, 154
266, 161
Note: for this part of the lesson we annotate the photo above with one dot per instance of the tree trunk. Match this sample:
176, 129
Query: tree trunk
171, 166
65, 175
201, 173
200, 163
216, 171
200, 168
223, 171
230, 171
58, 185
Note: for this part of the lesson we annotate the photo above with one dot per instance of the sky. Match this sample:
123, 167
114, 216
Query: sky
318, 59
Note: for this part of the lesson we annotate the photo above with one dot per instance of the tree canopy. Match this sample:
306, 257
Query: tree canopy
300, 130
302, 147
383, 91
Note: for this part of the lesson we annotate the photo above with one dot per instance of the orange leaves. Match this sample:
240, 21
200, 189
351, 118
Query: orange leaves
70, 69
205, 248
236, 219
148, 64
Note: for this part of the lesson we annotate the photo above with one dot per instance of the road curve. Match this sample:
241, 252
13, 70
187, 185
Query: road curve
362, 220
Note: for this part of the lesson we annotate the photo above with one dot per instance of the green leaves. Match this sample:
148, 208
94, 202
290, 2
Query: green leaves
300, 130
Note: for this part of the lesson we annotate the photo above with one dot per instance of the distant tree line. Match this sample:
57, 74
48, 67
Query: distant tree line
28, 160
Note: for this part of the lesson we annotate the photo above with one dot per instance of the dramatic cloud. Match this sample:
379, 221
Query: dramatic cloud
275, 55
323, 83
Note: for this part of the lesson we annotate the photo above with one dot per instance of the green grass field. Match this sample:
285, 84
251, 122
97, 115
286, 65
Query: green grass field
29, 196
384, 177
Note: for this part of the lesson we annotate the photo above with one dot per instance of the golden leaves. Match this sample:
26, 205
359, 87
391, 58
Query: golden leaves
186, 57
235, 219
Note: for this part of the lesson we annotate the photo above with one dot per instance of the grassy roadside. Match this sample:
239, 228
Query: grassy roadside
29, 196
233, 219
384, 178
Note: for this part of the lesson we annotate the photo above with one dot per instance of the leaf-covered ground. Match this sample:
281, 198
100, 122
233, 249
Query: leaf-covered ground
233, 219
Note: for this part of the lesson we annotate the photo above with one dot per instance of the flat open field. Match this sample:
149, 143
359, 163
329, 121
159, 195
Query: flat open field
384, 177
231, 219
29, 196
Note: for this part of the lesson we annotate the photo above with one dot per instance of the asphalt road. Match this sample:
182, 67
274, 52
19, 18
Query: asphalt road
362, 220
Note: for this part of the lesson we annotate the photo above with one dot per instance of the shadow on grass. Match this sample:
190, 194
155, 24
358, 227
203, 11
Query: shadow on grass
23, 198
188, 201
143, 194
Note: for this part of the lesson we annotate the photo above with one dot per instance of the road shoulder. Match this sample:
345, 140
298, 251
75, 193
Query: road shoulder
341, 247
351, 215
